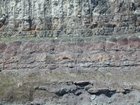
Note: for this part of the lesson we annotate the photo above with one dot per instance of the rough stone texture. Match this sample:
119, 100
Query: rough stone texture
72, 53
71, 71
89, 53
108, 87
69, 17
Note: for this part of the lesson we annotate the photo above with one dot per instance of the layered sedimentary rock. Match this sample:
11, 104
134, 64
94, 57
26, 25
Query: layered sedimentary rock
71, 66
98, 53
69, 17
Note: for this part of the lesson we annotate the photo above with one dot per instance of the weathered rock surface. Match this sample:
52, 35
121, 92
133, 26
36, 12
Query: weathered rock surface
71, 71
89, 53
98, 53
69, 17
69, 88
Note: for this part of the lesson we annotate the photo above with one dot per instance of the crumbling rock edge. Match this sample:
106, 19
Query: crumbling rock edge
72, 88
84, 92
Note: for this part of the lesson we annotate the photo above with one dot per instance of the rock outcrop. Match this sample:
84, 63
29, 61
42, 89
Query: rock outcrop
70, 52
98, 53
69, 17
71, 71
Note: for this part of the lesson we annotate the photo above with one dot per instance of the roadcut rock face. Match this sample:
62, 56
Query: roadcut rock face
70, 52
69, 17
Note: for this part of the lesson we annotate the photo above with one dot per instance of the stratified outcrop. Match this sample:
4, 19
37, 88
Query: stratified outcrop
70, 52
98, 53
69, 17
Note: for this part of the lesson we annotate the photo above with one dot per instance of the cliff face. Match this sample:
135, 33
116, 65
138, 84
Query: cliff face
63, 68
69, 17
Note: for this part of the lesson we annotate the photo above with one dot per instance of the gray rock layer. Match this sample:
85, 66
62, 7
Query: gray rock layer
69, 17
